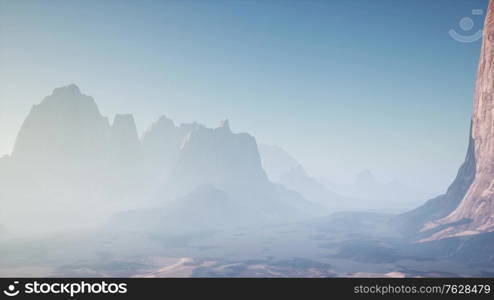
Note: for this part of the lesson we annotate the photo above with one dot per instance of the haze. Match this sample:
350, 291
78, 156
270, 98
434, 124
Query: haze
317, 78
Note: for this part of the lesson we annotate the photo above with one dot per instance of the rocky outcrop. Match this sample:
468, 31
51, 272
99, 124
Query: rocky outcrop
161, 145
476, 210
474, 185
64, 131
125, 141
218, 157
230, 162
124, 161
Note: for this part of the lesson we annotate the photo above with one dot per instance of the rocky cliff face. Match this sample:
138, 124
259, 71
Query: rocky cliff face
474, 186
477, 207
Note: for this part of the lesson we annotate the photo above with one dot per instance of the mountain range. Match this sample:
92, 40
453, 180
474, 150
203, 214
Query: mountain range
69, 159
70, 165
365, 193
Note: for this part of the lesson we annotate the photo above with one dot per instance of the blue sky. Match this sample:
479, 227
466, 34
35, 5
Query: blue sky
342, 85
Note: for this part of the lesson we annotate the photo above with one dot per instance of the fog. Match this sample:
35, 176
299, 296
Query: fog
88, 196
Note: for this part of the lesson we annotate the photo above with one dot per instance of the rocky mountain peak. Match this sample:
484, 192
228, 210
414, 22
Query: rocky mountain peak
124, 138
225, 125
65, 125
165, 122
209, 156
125, 123
68, 90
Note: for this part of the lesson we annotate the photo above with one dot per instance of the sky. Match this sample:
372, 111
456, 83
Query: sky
343, 86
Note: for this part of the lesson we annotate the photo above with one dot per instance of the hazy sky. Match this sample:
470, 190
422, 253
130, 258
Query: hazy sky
341, 85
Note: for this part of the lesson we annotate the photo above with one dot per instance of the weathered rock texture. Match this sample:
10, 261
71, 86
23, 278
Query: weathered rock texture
475, 212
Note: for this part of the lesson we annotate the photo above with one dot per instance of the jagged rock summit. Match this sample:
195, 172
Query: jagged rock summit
162, 144
219, 157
